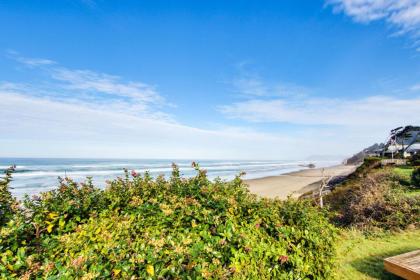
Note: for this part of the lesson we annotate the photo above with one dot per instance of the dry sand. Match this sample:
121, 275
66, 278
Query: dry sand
295, 183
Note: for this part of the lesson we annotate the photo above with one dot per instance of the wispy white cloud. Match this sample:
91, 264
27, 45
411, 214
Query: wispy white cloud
83, 113
37, 126
89, 88
415, 87
252, 86
349, 122
85, 80
370, 111
296, 105
403, 15
31, 62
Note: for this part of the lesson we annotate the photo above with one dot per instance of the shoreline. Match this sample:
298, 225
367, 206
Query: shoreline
295, 183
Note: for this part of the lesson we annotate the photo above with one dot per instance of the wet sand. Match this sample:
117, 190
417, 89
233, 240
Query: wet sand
295, 183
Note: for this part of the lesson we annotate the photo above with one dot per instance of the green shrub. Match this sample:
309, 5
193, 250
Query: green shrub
367, 166
63, 209
415, 159
404, 174
144, 228
8, 205
415, 178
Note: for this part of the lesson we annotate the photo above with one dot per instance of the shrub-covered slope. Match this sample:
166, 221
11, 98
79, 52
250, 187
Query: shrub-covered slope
139, 228
375, 196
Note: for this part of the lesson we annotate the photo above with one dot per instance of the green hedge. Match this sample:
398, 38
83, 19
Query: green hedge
144, 228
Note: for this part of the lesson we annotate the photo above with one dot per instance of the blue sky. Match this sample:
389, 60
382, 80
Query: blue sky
205, 79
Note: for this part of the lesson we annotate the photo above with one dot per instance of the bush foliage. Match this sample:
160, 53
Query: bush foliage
7, 203
415, 160
177, 228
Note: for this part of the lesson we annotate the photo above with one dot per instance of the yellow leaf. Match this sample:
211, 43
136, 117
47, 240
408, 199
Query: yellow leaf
61, 223
10, 267
150, 269
52, 215
116, 271
98, 231
50, 228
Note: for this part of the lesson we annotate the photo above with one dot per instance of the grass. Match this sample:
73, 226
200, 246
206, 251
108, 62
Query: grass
404, 171
361, 256
412, 192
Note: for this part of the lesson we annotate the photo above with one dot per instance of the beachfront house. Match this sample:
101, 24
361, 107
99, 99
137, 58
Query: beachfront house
404, 141
413, 149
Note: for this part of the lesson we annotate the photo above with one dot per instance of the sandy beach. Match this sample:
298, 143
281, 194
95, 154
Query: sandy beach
295, 183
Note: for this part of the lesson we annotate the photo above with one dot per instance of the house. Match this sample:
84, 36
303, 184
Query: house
375, 153
404, 141
374, 150
413, 149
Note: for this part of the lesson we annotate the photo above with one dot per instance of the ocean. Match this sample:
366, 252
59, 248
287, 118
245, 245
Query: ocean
34, 175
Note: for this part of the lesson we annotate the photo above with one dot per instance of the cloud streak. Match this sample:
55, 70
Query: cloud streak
89, 81
83, 113
254, 87
31, 62
89, 88
403, 15
36, 126
370, 111
349, 122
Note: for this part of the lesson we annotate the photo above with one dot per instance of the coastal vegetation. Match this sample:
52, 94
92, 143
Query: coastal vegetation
376, 197
177, 228
140, 227
378, 212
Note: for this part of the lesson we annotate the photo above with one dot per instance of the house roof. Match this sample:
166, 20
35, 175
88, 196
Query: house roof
414, 147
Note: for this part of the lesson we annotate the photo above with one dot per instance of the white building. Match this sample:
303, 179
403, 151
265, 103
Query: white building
403, 140
413, 149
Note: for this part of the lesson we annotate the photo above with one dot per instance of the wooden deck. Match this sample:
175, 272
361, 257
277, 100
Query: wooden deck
406, 265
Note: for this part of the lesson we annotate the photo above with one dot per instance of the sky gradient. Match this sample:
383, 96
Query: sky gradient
205, 79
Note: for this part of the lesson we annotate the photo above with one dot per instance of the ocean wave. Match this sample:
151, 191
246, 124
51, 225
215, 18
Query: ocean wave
36, 175
93, 172
4, 167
